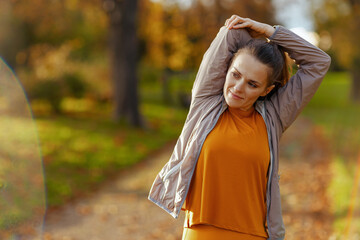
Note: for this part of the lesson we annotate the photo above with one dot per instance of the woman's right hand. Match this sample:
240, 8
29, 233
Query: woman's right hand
256, 29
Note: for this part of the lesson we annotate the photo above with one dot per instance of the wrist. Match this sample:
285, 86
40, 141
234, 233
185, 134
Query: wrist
269, 30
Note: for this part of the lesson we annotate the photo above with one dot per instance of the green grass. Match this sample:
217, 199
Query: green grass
339, 191
331, 108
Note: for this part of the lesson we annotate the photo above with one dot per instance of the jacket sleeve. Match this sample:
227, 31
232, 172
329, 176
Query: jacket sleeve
211, 75
312, 63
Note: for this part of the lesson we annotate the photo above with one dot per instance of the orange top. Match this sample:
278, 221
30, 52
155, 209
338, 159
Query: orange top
228, 189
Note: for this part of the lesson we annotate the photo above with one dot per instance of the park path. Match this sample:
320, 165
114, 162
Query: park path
120, 210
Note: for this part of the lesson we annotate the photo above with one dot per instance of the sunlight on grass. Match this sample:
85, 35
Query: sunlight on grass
78, 105
339, 191
340, 187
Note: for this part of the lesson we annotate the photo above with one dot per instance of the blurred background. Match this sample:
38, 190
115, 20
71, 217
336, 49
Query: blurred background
109, 85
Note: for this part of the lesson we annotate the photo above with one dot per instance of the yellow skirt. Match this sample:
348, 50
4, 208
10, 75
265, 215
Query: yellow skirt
208, 232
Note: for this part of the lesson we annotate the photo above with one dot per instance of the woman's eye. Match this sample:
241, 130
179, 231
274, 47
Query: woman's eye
252, 85
235, 75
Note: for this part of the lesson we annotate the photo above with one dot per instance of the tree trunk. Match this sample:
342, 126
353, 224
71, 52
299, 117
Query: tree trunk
123, 48
355, 88
355, 71
166, 86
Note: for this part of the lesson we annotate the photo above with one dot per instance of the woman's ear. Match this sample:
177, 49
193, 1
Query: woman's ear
268, 89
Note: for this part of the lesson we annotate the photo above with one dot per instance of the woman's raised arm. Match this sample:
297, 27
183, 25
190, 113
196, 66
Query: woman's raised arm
312, 63
211, 75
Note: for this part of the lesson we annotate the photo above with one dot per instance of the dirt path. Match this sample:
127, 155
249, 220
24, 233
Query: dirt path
120, 210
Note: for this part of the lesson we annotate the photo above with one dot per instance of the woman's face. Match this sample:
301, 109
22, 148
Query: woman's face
246, 80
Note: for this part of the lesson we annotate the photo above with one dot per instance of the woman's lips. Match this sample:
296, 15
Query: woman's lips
235, 96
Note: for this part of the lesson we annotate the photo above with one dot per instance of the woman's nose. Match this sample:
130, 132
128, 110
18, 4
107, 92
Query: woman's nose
239, 86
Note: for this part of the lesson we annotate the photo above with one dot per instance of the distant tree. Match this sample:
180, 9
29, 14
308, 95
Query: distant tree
341, 19
123, 45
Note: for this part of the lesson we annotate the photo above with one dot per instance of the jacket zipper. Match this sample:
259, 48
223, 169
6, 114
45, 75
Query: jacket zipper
198, 153
263, 114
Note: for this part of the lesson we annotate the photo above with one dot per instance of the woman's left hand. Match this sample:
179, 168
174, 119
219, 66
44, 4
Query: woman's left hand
256, 29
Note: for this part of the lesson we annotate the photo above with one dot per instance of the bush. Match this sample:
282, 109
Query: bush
75, 85
54, 90
51, 91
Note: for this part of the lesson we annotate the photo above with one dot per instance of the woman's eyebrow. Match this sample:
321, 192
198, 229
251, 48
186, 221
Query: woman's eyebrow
249, 79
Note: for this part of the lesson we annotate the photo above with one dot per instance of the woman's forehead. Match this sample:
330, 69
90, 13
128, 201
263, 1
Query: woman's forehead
250, 67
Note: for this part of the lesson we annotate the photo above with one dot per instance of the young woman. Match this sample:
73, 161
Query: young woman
224, 169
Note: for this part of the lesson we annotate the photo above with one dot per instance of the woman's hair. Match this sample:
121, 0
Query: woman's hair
273, 56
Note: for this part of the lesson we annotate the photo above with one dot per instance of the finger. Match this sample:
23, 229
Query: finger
237, 20
232, 22
242, 25
231, 19
226, 22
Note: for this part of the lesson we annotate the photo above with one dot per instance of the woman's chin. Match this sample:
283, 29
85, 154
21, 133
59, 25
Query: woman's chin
231, 103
